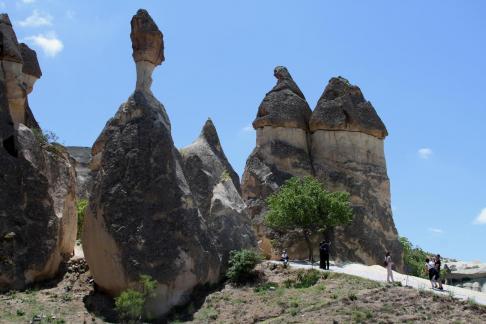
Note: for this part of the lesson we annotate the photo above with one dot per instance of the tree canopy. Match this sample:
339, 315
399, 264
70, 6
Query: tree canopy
304, 204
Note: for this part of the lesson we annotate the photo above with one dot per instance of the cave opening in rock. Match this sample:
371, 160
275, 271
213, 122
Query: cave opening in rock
9, 145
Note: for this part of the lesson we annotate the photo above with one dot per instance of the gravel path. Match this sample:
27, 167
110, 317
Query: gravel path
378, 273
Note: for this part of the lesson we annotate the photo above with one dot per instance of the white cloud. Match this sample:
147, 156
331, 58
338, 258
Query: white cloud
248, 128
28, 1
37, 19
436, 230
50, 44
481, 219
424, 153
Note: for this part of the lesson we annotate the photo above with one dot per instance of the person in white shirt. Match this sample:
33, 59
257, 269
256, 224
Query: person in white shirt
430, 267
388, 265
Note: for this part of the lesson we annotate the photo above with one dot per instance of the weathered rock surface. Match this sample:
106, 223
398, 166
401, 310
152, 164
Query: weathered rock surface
342, 106
281, 152
142, 218
216, 189
347, 150
84, 176
340, 143
37, 215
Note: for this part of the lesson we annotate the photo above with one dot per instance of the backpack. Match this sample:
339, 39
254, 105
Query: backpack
385, 263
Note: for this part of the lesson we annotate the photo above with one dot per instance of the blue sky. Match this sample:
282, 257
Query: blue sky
421, 63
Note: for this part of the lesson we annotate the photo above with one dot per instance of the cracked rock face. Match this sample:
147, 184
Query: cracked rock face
142, 218
216, 189
281, 152
37, 200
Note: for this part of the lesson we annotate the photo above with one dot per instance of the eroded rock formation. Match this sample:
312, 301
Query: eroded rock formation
216, 189
84, 176
37, 179
348, 154
142, 217
281, 152
340, 143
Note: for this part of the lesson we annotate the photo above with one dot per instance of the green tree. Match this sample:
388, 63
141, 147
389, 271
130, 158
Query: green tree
303, 204
414, 258
81, 211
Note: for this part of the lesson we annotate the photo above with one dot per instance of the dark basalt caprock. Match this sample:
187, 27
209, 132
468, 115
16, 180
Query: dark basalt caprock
342, 106
284, 105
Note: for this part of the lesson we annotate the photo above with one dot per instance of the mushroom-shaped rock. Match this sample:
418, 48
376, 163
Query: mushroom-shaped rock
281, 152
142, 218
148, 47
216, 189
342, 106
284, 106
347, 148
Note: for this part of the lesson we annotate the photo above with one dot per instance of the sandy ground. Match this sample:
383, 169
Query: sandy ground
378, 273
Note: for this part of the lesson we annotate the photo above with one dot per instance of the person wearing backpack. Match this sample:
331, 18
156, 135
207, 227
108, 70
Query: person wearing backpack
388, 263
324, 249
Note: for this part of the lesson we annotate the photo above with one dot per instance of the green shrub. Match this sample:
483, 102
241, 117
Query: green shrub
131, 302
414, 258
81, 210
306, 279
266, 287
45, 137
242, 264
129, 305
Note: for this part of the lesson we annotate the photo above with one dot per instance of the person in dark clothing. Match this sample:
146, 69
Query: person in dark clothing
324, 250
437, 264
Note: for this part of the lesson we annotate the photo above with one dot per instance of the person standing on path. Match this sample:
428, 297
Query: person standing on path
437, 265
388, 265
430, 268
324, 250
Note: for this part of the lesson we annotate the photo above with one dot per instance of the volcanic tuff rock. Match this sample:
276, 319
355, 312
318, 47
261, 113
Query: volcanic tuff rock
142, 218
84, 176
348, 154
281, 151
341, 144
216, 189
37, 215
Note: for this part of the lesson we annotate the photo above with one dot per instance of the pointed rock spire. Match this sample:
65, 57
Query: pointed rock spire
31, 64
342, 106
284, 105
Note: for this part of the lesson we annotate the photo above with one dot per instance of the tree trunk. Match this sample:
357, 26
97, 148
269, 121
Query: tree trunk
309, 246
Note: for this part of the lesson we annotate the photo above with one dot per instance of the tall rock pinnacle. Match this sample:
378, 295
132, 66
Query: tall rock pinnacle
142, 217
148, 48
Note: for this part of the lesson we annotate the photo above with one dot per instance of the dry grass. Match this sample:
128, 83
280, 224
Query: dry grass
335, 297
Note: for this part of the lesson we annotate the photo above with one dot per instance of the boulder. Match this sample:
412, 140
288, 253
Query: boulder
281, 152
142, 218
347, 148
37, 214
216, 189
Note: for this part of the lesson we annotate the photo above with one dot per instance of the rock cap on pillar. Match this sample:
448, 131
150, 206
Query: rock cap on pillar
147, 39
9, 46
284, 105
148, 48
342, 106
31, 64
